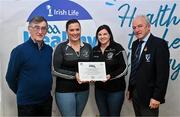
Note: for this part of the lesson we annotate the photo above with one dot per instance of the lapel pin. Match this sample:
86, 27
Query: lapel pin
145, 49
148, 57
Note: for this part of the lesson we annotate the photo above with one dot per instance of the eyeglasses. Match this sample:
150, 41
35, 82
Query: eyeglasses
38, 28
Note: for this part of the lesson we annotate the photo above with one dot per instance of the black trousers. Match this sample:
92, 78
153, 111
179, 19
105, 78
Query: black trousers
142, 110
41, 109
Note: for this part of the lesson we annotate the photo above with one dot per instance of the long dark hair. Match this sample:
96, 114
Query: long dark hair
106, 27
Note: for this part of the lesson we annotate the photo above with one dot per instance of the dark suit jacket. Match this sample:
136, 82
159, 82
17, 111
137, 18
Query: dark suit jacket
153, 71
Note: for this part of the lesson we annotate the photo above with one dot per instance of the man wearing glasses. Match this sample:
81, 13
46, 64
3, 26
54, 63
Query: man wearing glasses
29, 72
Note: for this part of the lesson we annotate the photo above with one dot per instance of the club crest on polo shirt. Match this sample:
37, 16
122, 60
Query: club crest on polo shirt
110, 55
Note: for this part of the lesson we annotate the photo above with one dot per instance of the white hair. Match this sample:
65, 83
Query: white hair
145, 17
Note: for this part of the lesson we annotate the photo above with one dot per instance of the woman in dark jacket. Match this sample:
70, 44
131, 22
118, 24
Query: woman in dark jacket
109, 94
71, 93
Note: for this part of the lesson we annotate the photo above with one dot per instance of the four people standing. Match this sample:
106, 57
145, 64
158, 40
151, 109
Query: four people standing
149, 69
109, 94
71, 93
29, 72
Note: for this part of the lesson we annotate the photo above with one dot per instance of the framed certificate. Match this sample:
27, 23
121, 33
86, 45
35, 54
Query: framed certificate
92, 71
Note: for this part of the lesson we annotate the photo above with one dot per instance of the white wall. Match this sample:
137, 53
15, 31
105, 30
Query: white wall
0, 93
14, 13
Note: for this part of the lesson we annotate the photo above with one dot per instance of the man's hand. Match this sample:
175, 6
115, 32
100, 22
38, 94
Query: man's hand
154, 104
128, 95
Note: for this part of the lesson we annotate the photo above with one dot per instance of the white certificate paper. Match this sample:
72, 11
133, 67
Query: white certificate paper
92, 71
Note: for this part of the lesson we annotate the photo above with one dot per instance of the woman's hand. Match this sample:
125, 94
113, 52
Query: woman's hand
107, 78
78, 79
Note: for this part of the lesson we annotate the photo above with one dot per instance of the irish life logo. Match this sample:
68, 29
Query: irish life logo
57, 12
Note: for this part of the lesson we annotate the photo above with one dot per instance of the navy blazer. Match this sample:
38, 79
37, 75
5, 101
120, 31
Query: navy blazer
153, 71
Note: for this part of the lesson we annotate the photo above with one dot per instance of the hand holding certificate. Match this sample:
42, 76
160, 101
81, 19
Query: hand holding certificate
92, 71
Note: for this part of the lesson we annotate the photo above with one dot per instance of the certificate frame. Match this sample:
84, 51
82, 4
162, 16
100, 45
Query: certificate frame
92, 71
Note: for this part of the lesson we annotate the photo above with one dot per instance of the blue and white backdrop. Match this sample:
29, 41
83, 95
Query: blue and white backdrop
118, 14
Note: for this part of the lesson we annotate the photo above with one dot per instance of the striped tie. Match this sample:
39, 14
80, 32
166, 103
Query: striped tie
135, 63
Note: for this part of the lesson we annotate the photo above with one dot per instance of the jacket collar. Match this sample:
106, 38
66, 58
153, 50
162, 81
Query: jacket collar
35, 44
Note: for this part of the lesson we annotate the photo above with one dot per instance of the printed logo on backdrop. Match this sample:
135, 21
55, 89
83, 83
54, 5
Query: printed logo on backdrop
57, 12
165, 17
